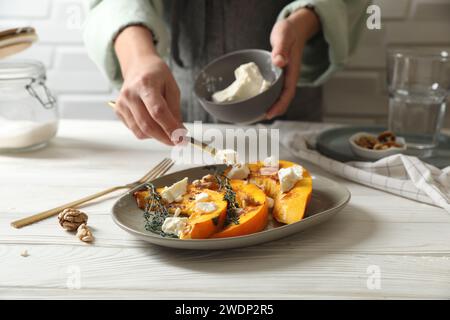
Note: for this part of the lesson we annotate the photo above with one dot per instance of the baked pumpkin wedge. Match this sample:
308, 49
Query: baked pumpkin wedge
254, 211
200, 224
185, 205
141, 198
203, 224
289, 207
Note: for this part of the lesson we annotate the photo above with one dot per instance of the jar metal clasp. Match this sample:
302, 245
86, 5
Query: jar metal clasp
48, 101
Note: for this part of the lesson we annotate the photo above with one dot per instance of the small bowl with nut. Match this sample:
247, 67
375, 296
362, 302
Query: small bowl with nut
374, 147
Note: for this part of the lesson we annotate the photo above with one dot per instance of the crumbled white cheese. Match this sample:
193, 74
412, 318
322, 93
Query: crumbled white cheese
205, 207
238, 171
270, 202
227, 156
249, 83
289, 176
201, 196
174, 225
175, 191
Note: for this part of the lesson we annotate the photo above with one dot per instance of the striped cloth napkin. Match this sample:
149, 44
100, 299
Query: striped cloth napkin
405, 176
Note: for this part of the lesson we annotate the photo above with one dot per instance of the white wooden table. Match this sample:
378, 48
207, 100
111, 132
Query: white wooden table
405, 243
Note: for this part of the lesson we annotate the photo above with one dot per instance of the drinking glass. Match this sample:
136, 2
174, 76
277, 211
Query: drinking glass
418, 83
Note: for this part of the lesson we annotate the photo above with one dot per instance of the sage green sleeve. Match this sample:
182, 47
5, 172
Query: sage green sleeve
342, 22
106, 18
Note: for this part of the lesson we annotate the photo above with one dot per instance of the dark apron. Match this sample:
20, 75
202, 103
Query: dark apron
203, 30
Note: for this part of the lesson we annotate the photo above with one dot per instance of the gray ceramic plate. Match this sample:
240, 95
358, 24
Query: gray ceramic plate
328, 198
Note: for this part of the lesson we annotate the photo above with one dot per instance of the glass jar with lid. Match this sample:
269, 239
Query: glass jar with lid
28, 111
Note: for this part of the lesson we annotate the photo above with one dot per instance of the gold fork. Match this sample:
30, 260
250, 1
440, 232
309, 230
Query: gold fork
157, 171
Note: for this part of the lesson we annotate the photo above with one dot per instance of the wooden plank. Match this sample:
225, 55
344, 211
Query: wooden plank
161, 273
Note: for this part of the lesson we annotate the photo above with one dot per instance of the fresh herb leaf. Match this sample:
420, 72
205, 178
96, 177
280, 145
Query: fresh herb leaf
155, 212
230, 197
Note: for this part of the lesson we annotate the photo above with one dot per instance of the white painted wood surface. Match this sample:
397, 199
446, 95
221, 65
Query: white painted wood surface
409, 242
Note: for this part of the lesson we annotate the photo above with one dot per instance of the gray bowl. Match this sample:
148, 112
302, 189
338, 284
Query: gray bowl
219, 74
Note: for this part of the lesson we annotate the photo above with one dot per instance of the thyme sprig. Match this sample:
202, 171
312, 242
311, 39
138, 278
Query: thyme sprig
155, 212
230, 197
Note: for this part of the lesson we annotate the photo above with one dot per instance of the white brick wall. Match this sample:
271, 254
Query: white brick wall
82, 90
357, 94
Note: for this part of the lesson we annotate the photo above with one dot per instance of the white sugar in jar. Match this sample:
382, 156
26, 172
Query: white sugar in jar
28, 111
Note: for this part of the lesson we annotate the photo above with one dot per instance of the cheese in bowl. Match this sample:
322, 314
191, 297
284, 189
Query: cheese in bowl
239, 201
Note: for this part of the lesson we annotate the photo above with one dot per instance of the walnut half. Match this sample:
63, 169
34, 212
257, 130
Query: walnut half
84, 233
70, 219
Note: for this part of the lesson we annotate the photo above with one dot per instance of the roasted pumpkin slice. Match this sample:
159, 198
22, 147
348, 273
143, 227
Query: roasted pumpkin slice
202, 224
289, 207
254, 215
185, 204
141, 198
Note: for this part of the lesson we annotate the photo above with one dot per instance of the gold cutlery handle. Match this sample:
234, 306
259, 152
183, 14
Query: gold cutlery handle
52, 212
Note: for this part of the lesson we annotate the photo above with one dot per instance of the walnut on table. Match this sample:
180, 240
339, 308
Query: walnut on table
84, 233
70, 219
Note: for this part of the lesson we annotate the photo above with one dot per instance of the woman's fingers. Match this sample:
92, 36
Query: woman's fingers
159, 110
147, 123
149, 116
281, 41
123, 112
173, 100
172, 94
150, 93
285, 54
281, 105
292, 71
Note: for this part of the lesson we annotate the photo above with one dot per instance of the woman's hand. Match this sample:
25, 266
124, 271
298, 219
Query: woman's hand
149, 101
288, 39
